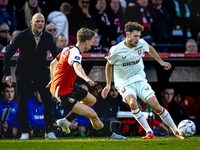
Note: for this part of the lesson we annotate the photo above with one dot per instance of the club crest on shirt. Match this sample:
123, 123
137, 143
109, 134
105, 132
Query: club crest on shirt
77, 57
139, 52
71, 100
123, 90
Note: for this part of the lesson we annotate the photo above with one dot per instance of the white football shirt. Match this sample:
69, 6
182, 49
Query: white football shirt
127, 62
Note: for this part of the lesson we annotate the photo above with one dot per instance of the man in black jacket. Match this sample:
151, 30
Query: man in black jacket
33, 44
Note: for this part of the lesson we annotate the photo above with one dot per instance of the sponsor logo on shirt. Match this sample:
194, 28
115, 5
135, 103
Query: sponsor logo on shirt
77, 58
124, 57
131, 63
36, 117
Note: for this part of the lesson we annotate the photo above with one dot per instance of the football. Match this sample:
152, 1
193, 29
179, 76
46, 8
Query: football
186, 128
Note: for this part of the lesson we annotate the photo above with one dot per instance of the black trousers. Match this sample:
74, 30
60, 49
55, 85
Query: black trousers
40, 79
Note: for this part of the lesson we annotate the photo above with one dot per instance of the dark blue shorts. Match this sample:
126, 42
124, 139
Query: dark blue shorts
69, 100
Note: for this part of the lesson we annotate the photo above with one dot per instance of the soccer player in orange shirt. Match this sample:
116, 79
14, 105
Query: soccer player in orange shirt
64, 70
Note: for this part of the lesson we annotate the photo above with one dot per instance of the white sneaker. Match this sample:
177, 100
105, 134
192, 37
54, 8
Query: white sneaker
24, 136
115, 136
50, 136
64, 124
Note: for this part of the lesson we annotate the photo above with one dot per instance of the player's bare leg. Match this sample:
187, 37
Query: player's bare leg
84, 110
88, 112
89, 100
138, 115
164, 115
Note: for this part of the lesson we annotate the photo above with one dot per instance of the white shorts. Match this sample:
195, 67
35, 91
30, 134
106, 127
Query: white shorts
142, 89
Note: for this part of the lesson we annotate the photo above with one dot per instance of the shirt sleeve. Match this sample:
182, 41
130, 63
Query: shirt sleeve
74, 57
112, 57
145, 46
58, 57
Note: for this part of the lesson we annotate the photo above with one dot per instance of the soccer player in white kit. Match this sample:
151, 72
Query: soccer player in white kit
130, 78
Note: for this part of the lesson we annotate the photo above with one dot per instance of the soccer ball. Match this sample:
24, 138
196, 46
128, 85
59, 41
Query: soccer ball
186, 128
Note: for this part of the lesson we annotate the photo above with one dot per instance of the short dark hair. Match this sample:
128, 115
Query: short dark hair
85, 34
131, 26
59, 36
66, 7
5, 85
168, 86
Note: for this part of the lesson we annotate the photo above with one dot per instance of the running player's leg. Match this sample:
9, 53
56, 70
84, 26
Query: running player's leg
162, 112
83, 96
89, 100
138, 115
164, 115
84, 110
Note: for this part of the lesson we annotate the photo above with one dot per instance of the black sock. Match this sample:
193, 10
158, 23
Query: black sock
71, 115
106, 131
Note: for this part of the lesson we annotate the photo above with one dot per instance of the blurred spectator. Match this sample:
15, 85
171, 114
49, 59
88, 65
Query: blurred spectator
4, 35
102, 21
6, 101
121, 38
48, 6
61, 42
161, 27
123, 4
80, 16
190, 106
96, 46
191, 46
25, 14
140, 12
98, 87
14, 34
35, 110
7, 15
198, 40
179, 97
194, 16
114, 12
51, 28
180, 16
176, 112
59, 18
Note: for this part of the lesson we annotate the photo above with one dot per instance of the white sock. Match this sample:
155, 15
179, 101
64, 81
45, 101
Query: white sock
166, 118
139, 116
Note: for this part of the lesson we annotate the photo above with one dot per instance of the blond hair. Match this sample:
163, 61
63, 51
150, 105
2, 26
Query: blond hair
85, 34
29, 13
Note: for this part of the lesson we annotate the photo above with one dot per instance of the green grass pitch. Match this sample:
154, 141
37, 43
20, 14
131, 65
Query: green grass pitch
99, 143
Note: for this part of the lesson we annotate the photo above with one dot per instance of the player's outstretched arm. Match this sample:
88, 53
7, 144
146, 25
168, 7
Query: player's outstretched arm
53, 67
81, 73
108, 72
155, 55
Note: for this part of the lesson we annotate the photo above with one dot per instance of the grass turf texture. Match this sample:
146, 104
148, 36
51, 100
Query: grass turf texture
99, 143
